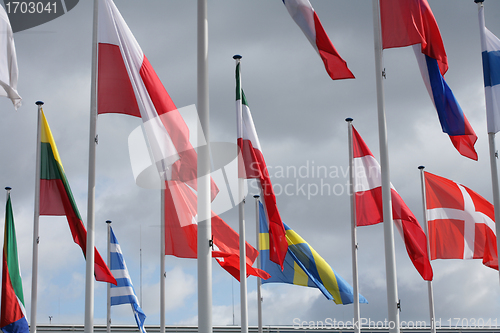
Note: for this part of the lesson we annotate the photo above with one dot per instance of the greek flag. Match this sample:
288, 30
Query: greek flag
123, 292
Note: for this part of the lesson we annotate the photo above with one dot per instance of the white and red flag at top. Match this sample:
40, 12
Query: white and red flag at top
306, 18
368, 200
461, 222
128, 84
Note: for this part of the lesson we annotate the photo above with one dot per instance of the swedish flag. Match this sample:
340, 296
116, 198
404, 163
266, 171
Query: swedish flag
303, 266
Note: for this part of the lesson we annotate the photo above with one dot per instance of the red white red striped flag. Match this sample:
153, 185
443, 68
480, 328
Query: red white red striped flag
369, 211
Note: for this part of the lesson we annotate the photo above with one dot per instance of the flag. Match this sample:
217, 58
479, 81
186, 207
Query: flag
252, 165
306, 18
303, 266
56, 198
461, 222
491, 72
128, 84
181, 233
8, 61
12, 314
369, 211
123, 292
411, 22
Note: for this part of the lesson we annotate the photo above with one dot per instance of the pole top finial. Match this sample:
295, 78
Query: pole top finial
39, 103
108, 221
237, 57
256, 196
349, 120
8, 188
421, 167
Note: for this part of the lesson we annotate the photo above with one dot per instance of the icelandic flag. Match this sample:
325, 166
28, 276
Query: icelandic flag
411, 22
303, 266
491, 71
123, 292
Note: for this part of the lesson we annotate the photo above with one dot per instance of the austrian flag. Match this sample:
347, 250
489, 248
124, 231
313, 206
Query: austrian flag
461, 222
368, 194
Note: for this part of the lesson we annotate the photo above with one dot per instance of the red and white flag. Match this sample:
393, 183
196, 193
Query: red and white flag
128, 84
181, 233
368, 196
306, 18
461, 222
253, 166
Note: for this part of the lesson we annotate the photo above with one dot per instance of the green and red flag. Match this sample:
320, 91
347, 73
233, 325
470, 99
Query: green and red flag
12, 314
56, 198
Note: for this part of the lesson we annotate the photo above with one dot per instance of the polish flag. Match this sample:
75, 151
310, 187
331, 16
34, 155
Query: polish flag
306, 18
369, 211
128, 84
461, 222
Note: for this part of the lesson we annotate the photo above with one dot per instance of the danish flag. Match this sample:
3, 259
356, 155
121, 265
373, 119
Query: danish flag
461, 222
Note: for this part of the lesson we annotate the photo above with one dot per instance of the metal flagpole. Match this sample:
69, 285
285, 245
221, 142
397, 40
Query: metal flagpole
354, 243
108, 309
259, 281
36, 218
491, 135
89, 272
390, 258
204, 204
241, 211
140, 262
429, 283
162, 259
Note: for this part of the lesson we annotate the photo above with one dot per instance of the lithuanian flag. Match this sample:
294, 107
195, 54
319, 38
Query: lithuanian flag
12, 314
56, 198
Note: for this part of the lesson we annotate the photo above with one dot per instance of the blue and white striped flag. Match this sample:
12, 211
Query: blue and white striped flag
123, 292
491, 70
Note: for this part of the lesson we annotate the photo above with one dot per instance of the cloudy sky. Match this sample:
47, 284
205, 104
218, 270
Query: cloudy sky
299, 114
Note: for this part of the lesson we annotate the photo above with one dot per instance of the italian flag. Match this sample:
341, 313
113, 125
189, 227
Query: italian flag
56, 198
251, 165
13, 314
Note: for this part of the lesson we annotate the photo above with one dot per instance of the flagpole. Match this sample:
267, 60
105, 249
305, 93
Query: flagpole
259, 281
108, 289
36, 224
429, 283
491, 136
204, 204
354, 241
390, 258
89, 271
241, 211
162, 260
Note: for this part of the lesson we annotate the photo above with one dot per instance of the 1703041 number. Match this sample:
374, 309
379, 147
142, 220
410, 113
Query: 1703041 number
30, 7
